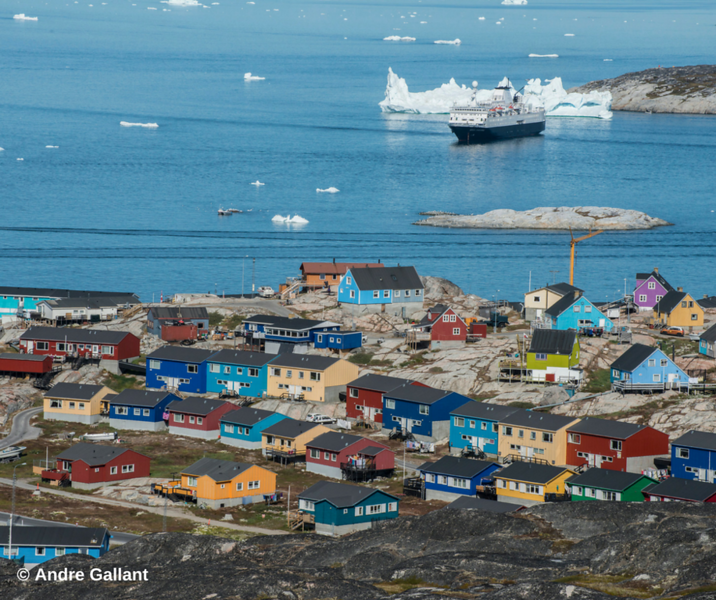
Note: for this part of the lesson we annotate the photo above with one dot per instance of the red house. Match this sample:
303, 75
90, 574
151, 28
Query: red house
24, 363
445, 326
197, 417
364, 396
614, 445
89, 466
345, 456
90, 343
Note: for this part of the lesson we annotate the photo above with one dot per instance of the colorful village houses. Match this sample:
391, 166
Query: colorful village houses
644, 368
197, 417
451, 477
535, 435
244, 373
443, 327
577, 313
345, 456
693, 456
14, 364
178, 368
675, 489
395, 290
267, 333
140, 410
339, 508
22, 301
422, 411
40, 543
364, 396
243, 427
162, 317
223, 483
614, 445
328, 274
76, 403
79, 310
527, 483
649, 289
475, 425
553, 356
679, 309
287, 439
89, 466
338, 341
538, 301
605, 484
315, 378
707, 342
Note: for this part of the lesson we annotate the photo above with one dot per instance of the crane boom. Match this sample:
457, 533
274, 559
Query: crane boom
572, 243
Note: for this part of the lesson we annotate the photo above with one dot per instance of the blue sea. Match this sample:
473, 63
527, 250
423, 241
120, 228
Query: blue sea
135, 209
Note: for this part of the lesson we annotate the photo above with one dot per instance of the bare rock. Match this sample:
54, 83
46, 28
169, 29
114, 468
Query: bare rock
553, 395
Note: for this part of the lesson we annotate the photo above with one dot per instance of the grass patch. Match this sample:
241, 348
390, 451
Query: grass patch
360, 358
119, 383
215, 318
232, 322
678, 347
398, 586
435, 370
380, 363
620, 586
599, 381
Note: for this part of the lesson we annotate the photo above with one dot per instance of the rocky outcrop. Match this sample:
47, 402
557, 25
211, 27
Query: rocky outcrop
579, 218
690, 90
581, 550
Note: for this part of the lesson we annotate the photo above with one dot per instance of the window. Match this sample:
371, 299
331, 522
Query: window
319, 339
193, 369
239, 486
61, 347
520, 433
591, 492
577, 308
533, 435
178, 418
359, 511
40, 551
42, 345
353, 294
191, 419
59, 551
429, 478
495, 427
113, 470
652, 362
376, 509
254, 485
656, 378
694, 317
386, 293
184, 381
269, 440
577, 491
642, 298
354, 392
652, 285
691, 303
682, 453
587, 309
155, 364
306, 505
239, 370
348, 280
326, 456
228, 428
460, 483
73, 404
289, 373
424, 409
227, 370
191, 481
616, 445
145, 412
540, 356
389, 403
108, 350
392, 506
253, 372
396, 293
137, 411
376, 294
535, 298
506, 430
533, 489
453, 318
200, 420
459, 422
417, 292
121, 410
301, 374
575, 438
55, 403
315, 376
223, 486
483, 426
472, 424
610, 496
658, 298
442, 479
547, 437
276, 372
446, 318
222, 382
456, 331
127, 468
683, 305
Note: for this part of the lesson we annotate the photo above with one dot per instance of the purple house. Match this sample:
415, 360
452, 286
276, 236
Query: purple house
650, 288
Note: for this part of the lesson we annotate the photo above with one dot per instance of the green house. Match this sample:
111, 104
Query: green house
554, 356
603, 484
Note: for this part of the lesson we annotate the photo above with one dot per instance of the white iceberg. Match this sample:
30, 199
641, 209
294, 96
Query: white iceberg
568, 35
481, 18
330, 190
250, 77
397, 38
2, 149
257, 183
181, 2
399, 99
279, 219
145, 125
558, 103
543, 55
20, 159
514, 2
455, 42
24, 17
51, 146
295, 220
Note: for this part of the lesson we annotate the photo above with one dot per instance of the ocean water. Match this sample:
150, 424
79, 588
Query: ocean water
136, 209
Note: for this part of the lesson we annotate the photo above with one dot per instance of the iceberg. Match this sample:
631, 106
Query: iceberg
250, 77
397, 38
481, 18
558, 103
568, 35
257, 183
146, 125
543, 55
295, 220
2, 149
514, 2
20, 159
398, 99
330, 190
181, 2
51, 146
455, 42
24, 17
279, 219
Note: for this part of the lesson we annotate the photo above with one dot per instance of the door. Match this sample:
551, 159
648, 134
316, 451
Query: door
95, 349
294, 390
602, 323
597, 461
590, 459
370, 413
702, 474
30, 346
173, 382
530, 452
522, 450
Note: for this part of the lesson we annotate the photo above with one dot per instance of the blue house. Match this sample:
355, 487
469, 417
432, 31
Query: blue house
245, 373
643, 368
339, 508
243, 427
707, 342
161, 315
38, 544
475, 425
21, 300
693, 456
451, 477
338, 340
179, 368
140, 410
424, 411
270, 332
381, 288
575, 312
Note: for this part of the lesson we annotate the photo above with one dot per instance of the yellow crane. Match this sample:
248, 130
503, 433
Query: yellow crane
572, 244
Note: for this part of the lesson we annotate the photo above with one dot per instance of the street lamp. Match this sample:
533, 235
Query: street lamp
12, 509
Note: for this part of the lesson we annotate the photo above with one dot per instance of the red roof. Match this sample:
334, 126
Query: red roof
331, 268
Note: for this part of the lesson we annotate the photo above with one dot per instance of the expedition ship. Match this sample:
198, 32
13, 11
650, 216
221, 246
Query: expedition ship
504, 116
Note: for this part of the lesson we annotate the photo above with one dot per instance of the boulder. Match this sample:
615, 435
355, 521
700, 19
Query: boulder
553, 395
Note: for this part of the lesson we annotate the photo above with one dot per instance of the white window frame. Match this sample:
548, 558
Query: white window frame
113, 470
155, 364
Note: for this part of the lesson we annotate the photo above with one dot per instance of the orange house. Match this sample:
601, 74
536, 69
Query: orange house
318, 274
222, 483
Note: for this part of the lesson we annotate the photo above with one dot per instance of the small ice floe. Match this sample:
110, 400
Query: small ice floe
481, 18
568, 35
257, 183
223, 213
234, 210
182, 2
295, 220
20, 159
514, 2
330, 190
250, 77
151, 8
2, 149
543, 55
423, 22
455, 42
251, 3
145, 125
24, 17
498, 23
51, 146
608, 60
397, 38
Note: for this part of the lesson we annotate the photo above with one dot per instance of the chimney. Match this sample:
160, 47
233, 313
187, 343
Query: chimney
656, 270
679, 289
334, 261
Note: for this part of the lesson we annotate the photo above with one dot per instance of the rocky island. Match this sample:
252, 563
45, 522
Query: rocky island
688, 90
563, 217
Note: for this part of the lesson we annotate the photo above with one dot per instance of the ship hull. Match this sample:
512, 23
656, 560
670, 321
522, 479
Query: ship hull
479, 135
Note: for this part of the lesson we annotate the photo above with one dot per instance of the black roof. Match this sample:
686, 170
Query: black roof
606, 479
644, 276
482, 504
194, 405
74, 391
92, 454
618, 430
553, 341
304, 361
178, 313
633, 357
669, 302
216, 469
387, 278
684, 489
289, 428
246, 416
537, 420
181, 354
372, 450
704, 440
530, 472
93, 301
75, 336
57, 293
418, 393
30, 357
563, 288
241, 357
709, 302
483, 410
378, 383
140, 398
288, 323
341, 495
457, 467
334, 441
710, 334
54, 535
562, 304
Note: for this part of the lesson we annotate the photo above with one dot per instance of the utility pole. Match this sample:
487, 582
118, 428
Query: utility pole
253, 276
12, 510
288, 508
554, 275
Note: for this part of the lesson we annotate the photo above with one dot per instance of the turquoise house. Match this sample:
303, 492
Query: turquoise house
36, 545
245, 373
380, 287
577, 313
475, 425
15, 300
644, 368
243, 427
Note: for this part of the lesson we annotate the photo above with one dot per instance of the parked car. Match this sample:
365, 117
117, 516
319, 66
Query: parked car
364, 339
266, 291
677, 331
319, 418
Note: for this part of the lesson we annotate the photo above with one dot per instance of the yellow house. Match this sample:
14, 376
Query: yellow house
317, 378
538, 301
287, 439
76, 403
534, 434
222, 483
678, 309
528, 483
